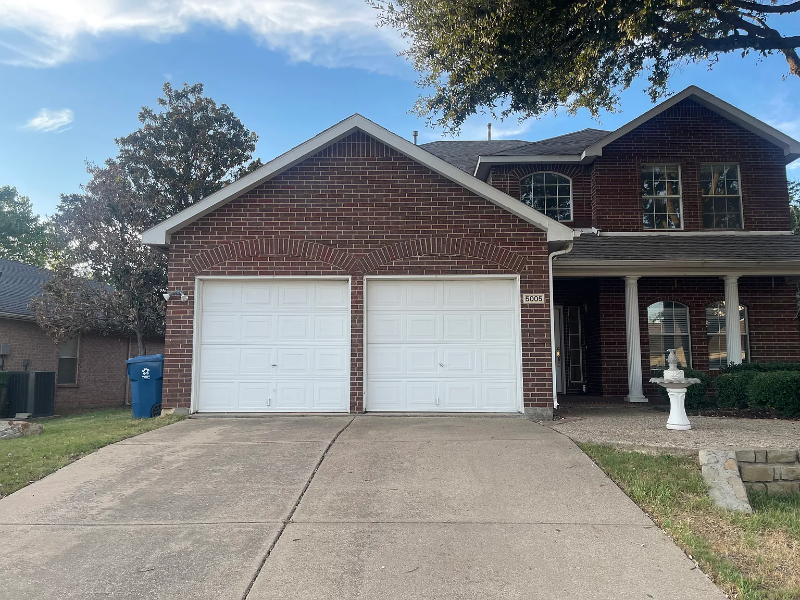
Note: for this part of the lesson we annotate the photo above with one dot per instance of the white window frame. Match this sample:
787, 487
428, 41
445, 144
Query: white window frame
76, 358
704, 196
567, 177
642, 197
662, 335
744, 334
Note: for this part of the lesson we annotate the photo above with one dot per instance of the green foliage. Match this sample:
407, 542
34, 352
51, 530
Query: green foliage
778, 390
108, 281
732, 389
24, 237
759, 367
65, 440
533, 57
696, 393
794, 204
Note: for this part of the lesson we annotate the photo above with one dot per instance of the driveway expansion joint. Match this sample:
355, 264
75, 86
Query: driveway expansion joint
288, 519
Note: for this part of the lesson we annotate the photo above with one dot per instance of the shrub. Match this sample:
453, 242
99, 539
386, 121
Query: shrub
760, 367
696, 393
779, 390
732, 389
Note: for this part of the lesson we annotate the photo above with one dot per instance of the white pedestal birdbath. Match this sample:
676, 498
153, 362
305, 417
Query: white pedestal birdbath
676, 385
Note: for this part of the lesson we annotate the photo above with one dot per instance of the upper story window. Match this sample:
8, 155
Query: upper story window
68, 361
661, 197
549, 193
668, 327
718, 338
722, 196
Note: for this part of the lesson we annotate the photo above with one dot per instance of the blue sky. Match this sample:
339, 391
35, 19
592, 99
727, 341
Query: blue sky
75, 73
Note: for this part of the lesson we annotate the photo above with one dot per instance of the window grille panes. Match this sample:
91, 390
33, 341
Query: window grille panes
722, 196
668, 327
575, 344
68, 361
549, 193
718, 338
661, 197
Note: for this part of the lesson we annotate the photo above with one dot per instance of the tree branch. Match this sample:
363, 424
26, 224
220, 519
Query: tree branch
765, 8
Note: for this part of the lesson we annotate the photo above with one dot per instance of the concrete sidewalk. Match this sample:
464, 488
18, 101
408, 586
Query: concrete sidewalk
400, 507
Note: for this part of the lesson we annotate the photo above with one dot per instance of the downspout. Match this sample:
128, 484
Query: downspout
553, 320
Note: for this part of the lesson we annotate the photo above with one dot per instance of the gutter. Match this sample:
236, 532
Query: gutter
550, 258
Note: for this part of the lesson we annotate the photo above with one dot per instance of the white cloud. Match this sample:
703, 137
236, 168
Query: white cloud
51, 120
333, 33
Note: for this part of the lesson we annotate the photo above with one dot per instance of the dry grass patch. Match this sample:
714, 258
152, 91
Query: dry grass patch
752, 557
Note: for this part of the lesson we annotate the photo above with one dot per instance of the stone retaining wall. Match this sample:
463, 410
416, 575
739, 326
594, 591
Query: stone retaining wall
773, 471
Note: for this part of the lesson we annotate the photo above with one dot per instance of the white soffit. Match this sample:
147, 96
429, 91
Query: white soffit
160, 234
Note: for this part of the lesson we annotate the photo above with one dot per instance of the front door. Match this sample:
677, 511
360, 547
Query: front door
558, 342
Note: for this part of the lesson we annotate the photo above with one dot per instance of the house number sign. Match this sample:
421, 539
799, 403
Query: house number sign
533, 298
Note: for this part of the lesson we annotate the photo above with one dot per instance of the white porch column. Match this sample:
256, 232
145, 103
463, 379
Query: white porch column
733, 330
633, 342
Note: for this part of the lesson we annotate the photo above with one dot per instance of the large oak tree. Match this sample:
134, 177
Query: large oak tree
528, 57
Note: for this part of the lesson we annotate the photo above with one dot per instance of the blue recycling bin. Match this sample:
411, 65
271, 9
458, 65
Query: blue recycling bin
147, 376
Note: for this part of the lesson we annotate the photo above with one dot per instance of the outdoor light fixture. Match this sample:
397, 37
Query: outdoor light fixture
177, 293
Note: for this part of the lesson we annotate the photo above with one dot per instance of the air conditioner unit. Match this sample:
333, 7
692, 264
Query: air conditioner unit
31, 392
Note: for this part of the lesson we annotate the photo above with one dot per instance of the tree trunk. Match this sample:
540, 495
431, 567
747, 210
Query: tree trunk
140, 341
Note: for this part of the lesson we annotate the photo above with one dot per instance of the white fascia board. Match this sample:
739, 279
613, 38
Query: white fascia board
790, 146
679, 234
160, 234
485, 162
673, 268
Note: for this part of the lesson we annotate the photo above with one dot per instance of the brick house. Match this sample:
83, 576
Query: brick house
90, 369
359, 271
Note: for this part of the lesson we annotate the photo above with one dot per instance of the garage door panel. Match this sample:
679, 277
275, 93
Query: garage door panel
274, 345
422, 294
219, 361
331, 328
254, 361
498, 361
499, 394
385, 328
434, 345
461, 395
331, 362
257, 329
462, 327
386, 395
328, 395
220, 328
255, 395
421, 360
420, 327
498, 327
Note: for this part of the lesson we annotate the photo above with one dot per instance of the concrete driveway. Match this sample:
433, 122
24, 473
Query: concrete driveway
338, 507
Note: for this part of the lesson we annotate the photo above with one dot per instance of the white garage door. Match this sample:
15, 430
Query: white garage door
436, 345
278, 345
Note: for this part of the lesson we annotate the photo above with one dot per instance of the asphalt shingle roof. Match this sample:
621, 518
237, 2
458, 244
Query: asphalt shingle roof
732, 248
19, 283
570, 143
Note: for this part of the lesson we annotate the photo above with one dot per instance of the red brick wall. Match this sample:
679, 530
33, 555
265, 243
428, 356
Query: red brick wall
359, 208
508, 178
772, 316
102, 378
607, 193
689, 134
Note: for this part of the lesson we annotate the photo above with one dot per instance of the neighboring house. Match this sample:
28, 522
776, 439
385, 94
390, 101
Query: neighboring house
90, 369
361, 272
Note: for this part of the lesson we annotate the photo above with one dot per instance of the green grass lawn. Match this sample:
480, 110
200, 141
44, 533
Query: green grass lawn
751, 557
64, 440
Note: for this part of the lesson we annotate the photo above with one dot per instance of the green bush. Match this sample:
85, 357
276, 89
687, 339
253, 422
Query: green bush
696, 393
732, 389
779, 390
760, 367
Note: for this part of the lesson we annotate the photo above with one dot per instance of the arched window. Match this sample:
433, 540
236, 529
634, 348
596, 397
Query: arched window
549, 193
717, 336
668, 327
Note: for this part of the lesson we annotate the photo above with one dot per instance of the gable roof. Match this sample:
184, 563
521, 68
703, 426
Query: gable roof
574, 153
19, 284
160, 234
464, 154
569, 143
